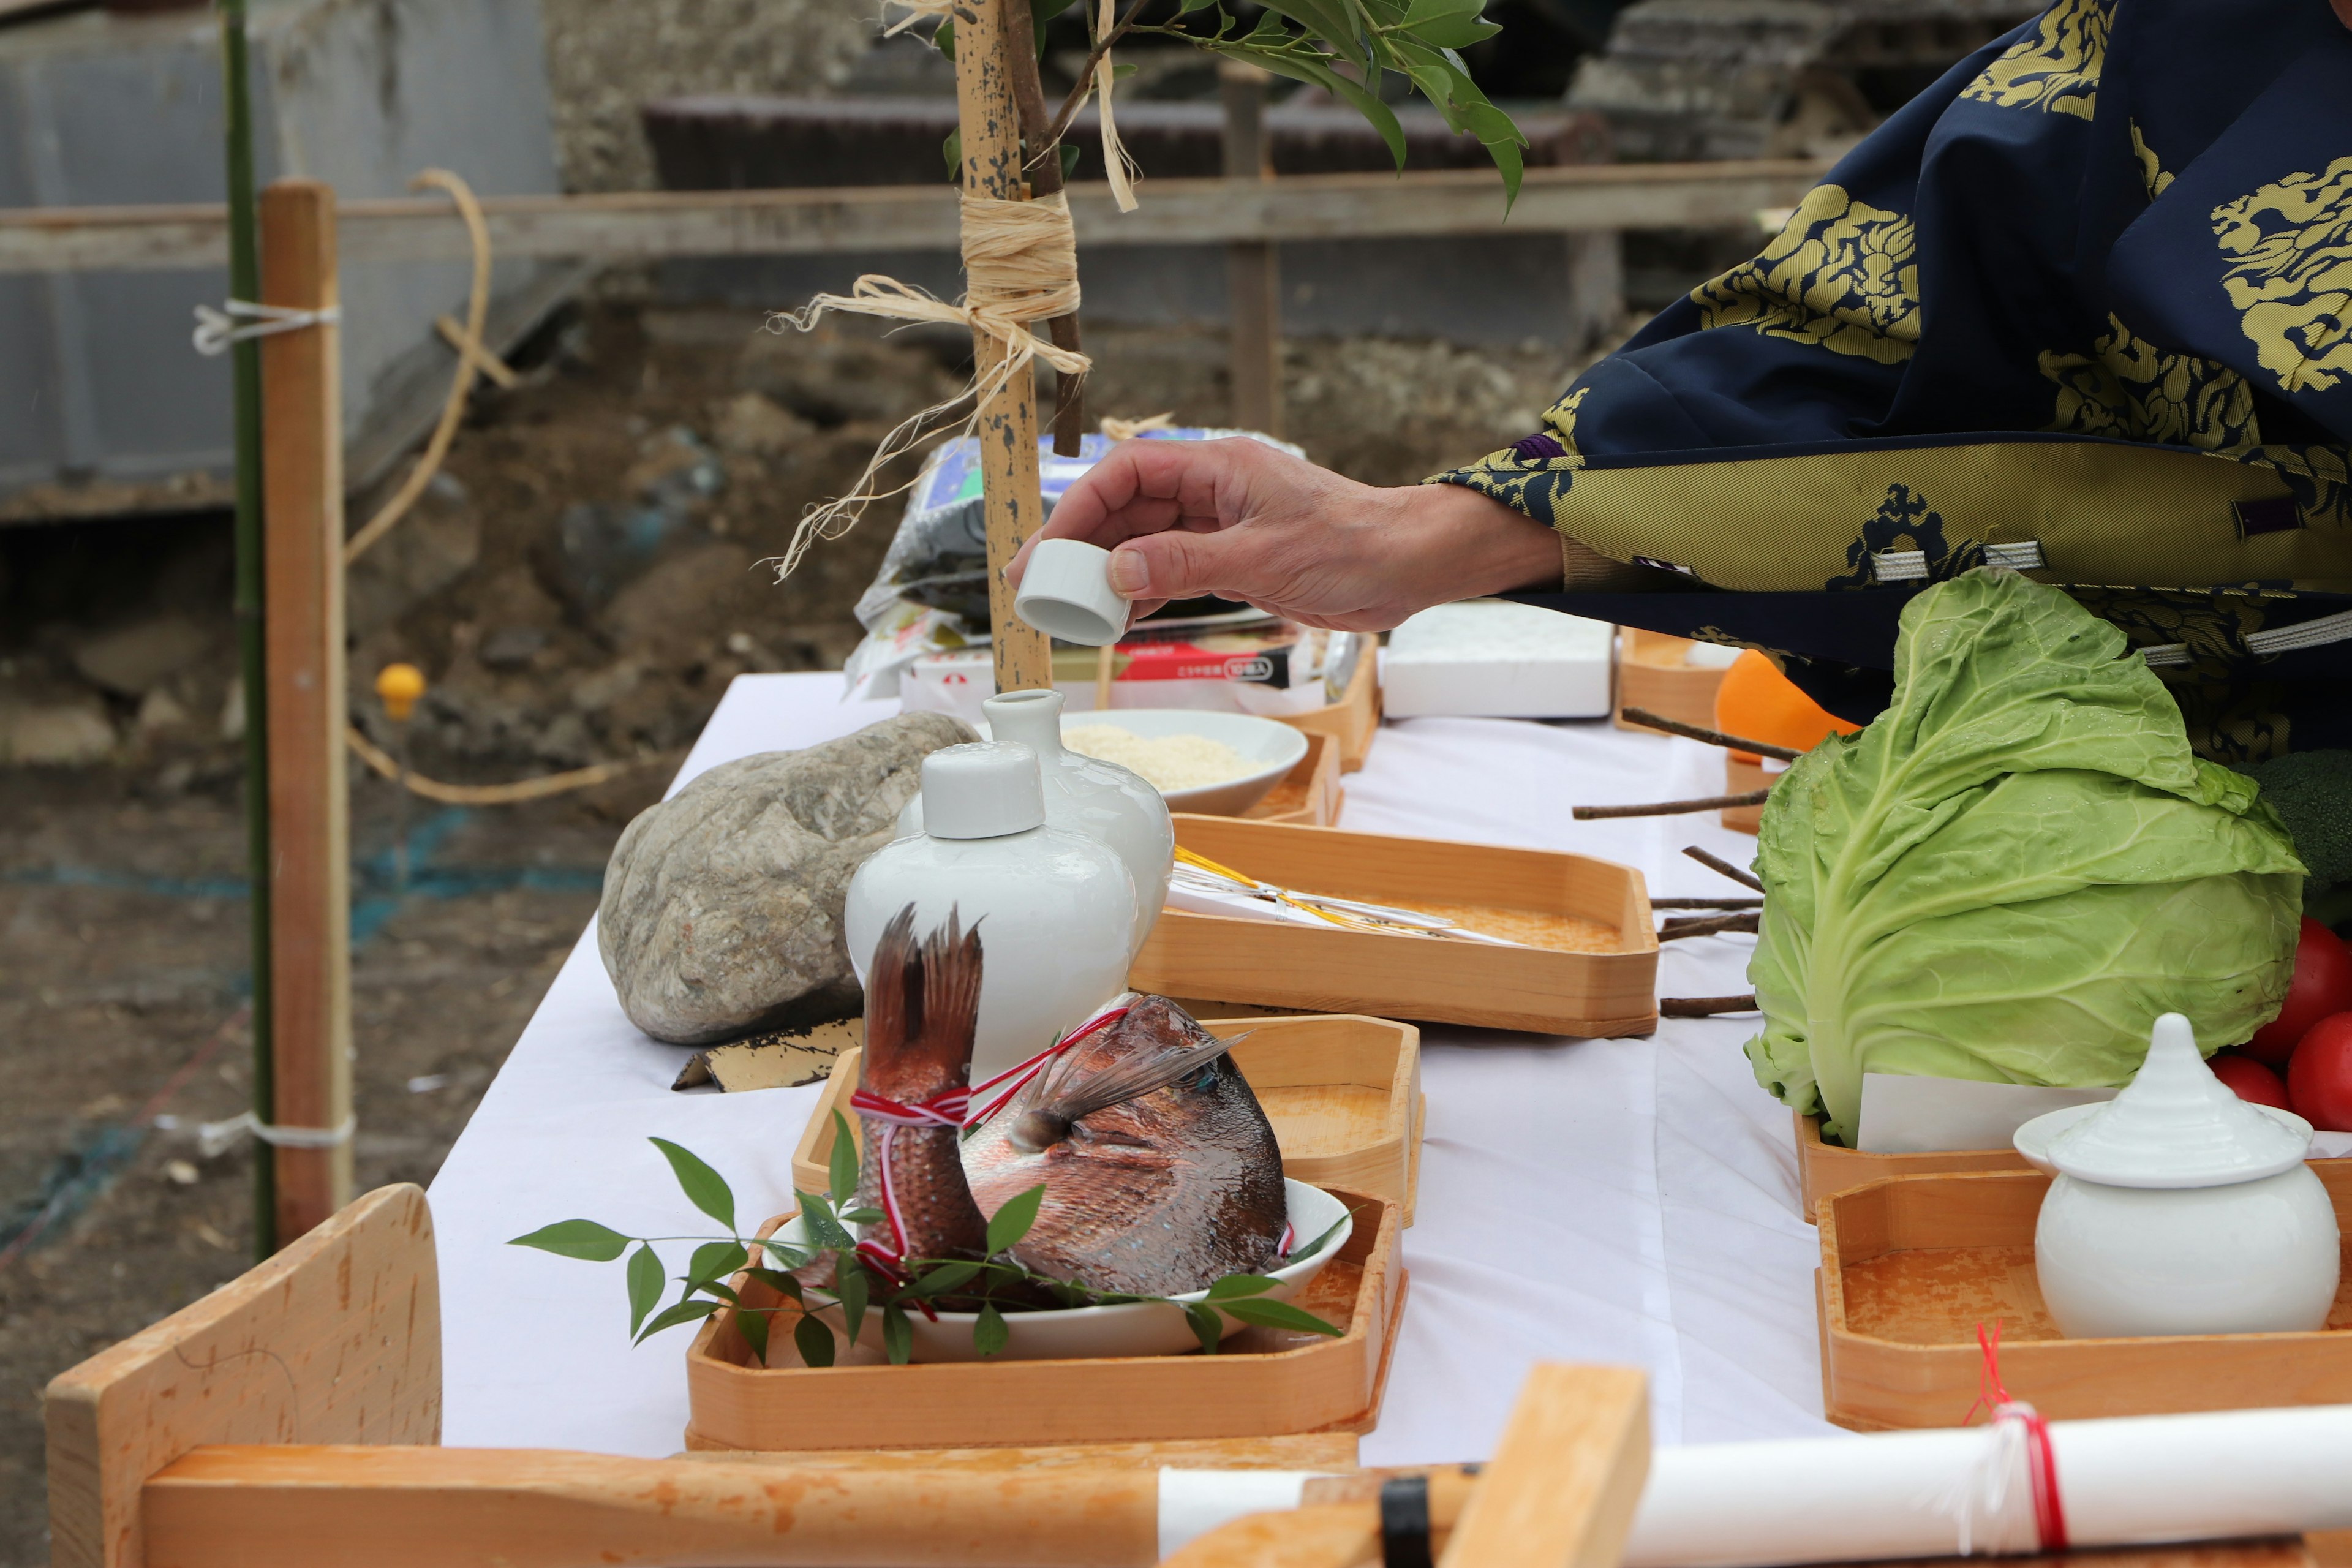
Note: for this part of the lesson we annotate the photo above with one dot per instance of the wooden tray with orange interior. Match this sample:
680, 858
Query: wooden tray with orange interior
1264, 1383
1309, 795
1352, 720
1343, 1093
1825, 1169
1589, 967
1911, 1266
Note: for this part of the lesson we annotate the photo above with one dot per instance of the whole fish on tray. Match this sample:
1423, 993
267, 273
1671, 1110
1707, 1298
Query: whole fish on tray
1161, 1170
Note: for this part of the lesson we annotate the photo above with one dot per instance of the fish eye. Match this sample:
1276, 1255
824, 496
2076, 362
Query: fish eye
1205, 1079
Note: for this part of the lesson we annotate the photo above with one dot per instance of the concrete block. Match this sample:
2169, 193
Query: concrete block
100, 108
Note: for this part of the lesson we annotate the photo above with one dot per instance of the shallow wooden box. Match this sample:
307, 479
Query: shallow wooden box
1911, 1266
1607, 993
1343, 1093
1265, 1382
1651, 674
1824, 1169
1309, 795
1352, 720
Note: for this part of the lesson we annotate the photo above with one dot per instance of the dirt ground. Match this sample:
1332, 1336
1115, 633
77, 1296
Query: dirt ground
581, 587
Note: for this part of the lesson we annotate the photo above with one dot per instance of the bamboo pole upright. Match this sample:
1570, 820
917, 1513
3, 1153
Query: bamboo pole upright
302, 493
244, 283
1252, 267
988, 118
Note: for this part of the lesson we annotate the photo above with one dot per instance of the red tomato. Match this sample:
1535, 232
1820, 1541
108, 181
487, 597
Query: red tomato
2319, 1080
2248, 1080
2322, 985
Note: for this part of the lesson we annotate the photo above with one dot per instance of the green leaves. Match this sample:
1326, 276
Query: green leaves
898, 1335
683, 1312
703, 1186
824, 1230
842, 1164
1237, 1285
1279, 1315
582, 1238
715, 1261
644, 1285
753, 1327
989, 1335
947, 1277
851, 1288
814, 1341
1207, 1327
1011, 1223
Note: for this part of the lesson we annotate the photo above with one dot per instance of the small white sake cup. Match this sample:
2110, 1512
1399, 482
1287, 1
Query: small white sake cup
1066, 593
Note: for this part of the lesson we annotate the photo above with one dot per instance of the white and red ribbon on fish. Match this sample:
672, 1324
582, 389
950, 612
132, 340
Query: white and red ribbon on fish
953, 1107
992, 1095
944, 1109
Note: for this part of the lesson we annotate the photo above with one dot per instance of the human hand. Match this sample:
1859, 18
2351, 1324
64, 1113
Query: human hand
1244, 520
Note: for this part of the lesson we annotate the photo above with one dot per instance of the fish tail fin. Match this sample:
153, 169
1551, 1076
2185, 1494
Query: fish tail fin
894, 990
950, 988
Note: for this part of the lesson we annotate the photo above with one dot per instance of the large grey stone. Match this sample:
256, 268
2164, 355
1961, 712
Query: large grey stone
722, 907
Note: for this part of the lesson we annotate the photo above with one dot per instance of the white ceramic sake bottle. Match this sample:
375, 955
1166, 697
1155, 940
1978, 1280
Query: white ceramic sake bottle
1056, 909
1086, 795
2181, 1209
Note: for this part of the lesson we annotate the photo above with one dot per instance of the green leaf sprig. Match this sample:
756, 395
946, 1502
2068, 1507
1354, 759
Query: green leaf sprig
1344, 47
859, 1289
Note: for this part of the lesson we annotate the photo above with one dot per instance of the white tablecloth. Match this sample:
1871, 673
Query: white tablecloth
1623, 1201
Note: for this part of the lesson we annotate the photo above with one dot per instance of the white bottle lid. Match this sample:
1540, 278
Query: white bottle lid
985, 790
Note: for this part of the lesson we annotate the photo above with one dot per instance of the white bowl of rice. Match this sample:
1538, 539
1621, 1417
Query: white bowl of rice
1218, 765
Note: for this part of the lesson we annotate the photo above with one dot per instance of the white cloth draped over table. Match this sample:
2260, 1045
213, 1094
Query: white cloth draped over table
1624, 1201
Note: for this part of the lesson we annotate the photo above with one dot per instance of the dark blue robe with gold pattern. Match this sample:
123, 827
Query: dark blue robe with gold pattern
2084, 308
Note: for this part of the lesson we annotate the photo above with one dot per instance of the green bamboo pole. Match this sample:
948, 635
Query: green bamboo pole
244, 283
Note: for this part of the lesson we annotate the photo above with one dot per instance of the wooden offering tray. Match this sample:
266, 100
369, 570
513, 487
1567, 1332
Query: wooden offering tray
1910, 1267
1264, 1383
1605, 988
1824, 1169
1343, 1093
1352, 720
1651, 674
1309, 795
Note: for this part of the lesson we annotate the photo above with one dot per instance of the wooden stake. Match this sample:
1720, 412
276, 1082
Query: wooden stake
302, 488
1253, 269
988, 118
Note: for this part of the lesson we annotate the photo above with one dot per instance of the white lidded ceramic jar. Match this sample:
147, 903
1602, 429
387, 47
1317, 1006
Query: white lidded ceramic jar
2181, 1209
1086, 795
1056, 909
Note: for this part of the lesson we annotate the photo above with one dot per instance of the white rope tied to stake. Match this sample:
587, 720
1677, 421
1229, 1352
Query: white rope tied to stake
214, 1138
1021, 265
217, 330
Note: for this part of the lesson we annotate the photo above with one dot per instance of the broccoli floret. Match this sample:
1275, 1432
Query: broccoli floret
2312, 791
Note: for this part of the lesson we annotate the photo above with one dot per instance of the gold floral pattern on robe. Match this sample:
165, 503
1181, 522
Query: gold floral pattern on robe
2128, 388
2287, 254
2056, 71
1842, 274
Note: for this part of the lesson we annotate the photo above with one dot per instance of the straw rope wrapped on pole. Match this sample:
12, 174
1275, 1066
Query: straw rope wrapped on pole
1021, 267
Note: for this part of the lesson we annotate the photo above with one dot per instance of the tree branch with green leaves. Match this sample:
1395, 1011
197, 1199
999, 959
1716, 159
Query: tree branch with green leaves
828, 1315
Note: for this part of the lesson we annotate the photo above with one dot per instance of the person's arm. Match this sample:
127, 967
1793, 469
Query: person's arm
1243, 520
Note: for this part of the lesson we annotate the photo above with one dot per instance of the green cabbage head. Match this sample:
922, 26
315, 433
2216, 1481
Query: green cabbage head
2013, 871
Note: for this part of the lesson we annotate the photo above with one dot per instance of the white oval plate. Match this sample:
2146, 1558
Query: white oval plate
1148, 1327
1274, 748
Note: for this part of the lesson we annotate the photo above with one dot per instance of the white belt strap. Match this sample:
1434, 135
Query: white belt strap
216, 1137
217, 330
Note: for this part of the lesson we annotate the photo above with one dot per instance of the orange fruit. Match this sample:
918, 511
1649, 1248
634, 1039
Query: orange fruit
1757, 703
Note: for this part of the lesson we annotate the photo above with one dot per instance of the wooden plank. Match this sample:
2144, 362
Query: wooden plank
335, 1340
1323, 1535
1561, 1489
505, 1508
646, 225
302, 501
988, 118
1297, 1451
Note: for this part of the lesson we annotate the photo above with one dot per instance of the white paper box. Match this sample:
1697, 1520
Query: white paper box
1491, 658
